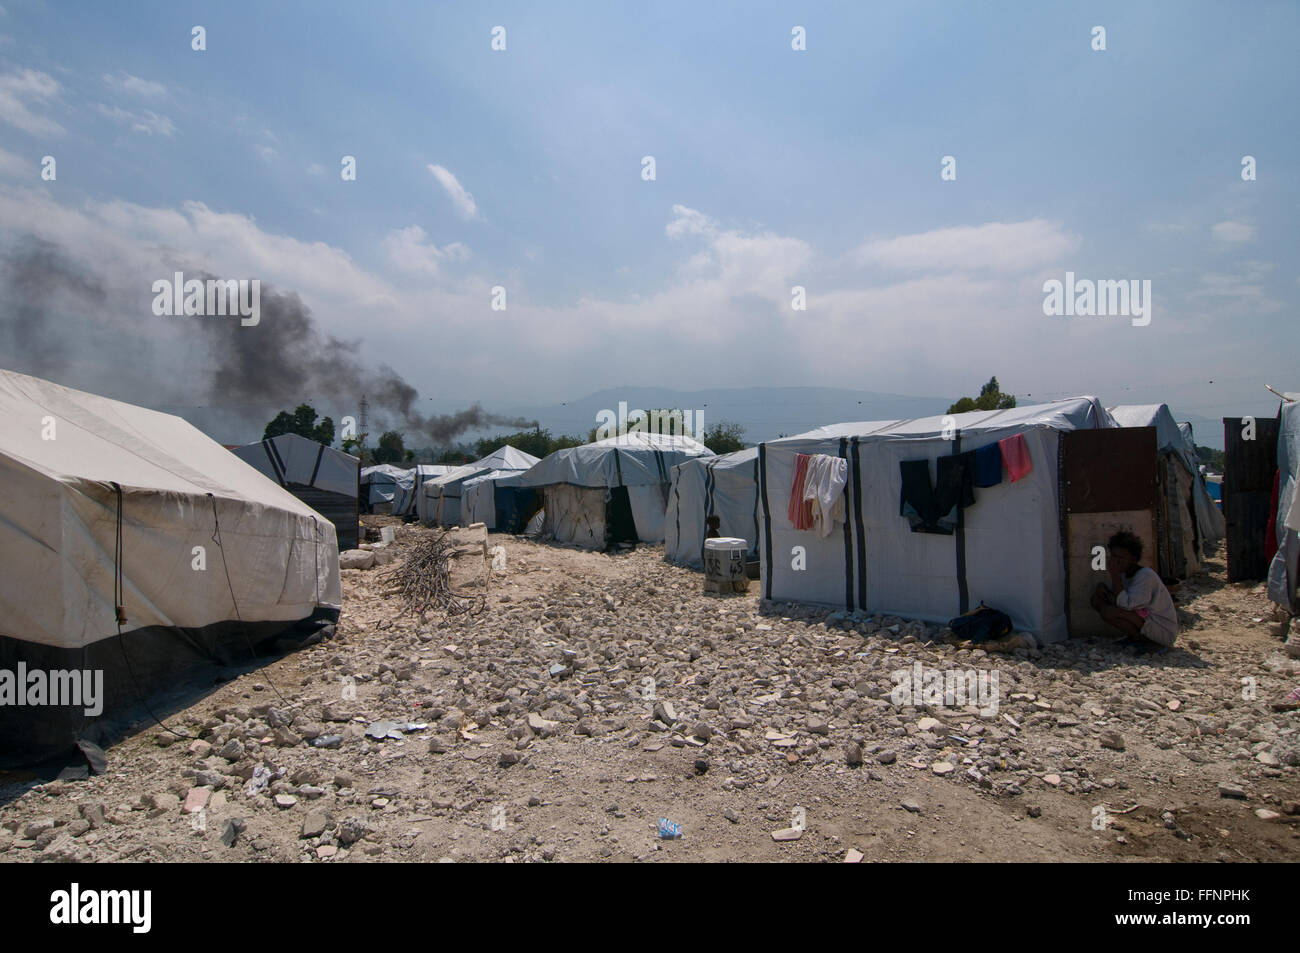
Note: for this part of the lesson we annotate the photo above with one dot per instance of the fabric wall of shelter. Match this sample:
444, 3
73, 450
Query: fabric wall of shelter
1284, 570
296, 459
1014, 560
648, 507
478, 500
684, 517
735, 500
575, 514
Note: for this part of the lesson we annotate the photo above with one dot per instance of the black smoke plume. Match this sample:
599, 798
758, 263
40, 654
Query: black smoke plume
36, 275
285, 356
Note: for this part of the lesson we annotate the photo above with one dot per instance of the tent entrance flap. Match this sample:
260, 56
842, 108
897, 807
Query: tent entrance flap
620, 527
1109, 481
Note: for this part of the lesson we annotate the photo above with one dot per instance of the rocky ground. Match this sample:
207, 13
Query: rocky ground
771, 734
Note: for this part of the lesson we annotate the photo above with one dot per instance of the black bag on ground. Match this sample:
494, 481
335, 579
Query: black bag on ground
981, 624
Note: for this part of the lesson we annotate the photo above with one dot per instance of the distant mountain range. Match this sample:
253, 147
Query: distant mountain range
765, 412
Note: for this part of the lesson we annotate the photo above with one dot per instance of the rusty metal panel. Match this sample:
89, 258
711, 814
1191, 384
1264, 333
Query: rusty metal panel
1108, 482
1248, 471
1109, 470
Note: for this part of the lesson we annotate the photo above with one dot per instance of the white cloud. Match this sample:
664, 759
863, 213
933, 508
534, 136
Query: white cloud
1233, 232
16, 167
997, 246
135, 86
150, 123
315, 169
463, 201
690, 222
266, 152
21, 92
408, 250
722, 315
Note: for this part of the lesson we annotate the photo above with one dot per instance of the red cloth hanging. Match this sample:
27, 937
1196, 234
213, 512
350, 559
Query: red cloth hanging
800, 510
1015, 456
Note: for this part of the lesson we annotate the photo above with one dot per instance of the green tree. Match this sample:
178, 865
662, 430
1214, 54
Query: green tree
990, 398
1214, 460
302, 422
539, 443
390, 449
456, 456
725, 437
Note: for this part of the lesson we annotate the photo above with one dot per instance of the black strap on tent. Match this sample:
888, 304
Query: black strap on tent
277, 468
618, 465
320, 452
677, 515
708, 489
767, 518
856, 465
963, 594
119, 612
848, 540
755, 506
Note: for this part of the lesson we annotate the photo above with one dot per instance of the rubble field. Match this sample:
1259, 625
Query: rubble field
587, 696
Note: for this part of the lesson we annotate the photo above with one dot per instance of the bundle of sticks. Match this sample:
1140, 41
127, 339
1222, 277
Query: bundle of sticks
423, 578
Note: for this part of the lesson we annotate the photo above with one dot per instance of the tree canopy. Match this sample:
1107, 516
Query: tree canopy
990, 398
391, 448
724, 437
302, 422
537, 442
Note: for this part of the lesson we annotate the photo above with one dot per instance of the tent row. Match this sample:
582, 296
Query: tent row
110, 505
1010, 542
442, 500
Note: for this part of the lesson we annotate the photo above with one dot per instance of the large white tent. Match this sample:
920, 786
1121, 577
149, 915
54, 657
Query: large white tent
101, 498
613, 490
725, 486
1189, 516
1009, 554
326, 479
440, 500
1284, 571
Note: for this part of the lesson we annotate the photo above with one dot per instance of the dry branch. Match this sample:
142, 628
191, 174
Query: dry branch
423, 579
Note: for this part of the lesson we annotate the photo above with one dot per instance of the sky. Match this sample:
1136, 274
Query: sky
524, 169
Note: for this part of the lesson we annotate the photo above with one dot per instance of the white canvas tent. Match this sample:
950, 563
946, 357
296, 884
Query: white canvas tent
381, 483
406, 495
725, 486
1010, 541
441, 498
1191, 525
102, 496
613, 490
1284, 571
326, 479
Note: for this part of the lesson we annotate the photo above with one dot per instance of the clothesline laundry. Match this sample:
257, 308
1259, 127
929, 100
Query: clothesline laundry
824, 489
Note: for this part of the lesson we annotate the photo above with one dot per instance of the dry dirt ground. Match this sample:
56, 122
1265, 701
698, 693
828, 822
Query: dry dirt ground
542, 743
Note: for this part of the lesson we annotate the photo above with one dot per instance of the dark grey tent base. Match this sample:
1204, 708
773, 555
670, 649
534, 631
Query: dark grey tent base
162, 668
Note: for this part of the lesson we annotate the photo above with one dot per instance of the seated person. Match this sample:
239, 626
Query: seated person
713, 522
1136, 602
